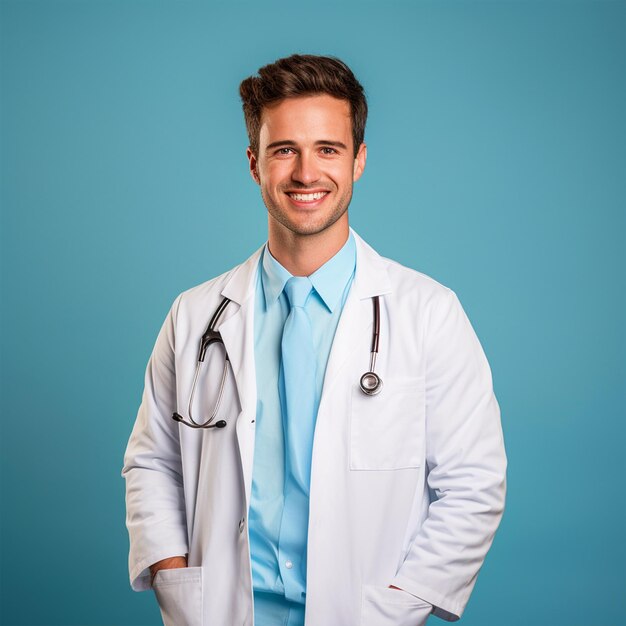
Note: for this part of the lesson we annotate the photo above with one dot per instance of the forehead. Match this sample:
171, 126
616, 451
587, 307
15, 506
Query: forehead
306, 118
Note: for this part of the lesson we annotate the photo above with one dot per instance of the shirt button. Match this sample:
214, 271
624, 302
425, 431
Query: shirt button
242, 524
288, 564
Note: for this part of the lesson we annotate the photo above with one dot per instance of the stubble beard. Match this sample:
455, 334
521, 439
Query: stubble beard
313, 226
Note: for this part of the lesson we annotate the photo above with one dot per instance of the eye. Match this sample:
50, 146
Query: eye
284, 151
328, 150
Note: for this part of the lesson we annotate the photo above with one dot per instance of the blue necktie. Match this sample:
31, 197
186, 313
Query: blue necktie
299, 365
299, 408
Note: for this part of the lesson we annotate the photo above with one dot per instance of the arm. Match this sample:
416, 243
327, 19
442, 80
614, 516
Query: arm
155, 505
466, 466
175, 562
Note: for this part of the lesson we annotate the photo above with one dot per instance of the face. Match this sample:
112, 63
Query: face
306, 164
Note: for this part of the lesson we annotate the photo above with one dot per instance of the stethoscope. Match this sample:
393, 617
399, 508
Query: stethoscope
370, 383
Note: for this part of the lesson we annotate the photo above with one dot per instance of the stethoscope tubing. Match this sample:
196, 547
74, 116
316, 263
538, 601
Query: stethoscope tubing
370, 383
208, 423
210, 336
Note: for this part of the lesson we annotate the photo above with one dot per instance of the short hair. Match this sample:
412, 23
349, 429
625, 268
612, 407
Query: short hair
302, 75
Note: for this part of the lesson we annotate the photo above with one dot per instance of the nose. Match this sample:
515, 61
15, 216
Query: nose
306, 170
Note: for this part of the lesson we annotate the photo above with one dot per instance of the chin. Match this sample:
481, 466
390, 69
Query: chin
312, 227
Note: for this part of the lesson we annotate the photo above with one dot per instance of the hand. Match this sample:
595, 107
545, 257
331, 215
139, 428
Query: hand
398, 588
173, 562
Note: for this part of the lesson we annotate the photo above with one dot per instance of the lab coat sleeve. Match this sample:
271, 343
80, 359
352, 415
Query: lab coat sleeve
466, 465
155, 511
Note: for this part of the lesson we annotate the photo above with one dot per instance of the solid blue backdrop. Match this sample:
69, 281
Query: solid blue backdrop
496, 164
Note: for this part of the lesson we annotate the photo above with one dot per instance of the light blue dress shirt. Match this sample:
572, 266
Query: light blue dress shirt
279, 578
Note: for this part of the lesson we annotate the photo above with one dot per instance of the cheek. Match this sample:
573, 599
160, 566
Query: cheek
273, 177
344, 175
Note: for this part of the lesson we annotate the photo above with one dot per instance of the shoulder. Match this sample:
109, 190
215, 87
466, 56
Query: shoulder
208, 288
420, 296
236, 284
402, 280
411, 280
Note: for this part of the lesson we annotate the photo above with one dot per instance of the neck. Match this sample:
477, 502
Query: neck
301, 255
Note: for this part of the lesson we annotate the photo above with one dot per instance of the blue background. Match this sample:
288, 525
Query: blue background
496, 164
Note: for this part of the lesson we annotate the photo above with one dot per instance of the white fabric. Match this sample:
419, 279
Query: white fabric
407, 488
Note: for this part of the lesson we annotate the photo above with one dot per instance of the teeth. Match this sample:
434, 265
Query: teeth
308, 197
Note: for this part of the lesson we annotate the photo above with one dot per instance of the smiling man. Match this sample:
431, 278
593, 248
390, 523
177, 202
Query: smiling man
305, 163
318, 439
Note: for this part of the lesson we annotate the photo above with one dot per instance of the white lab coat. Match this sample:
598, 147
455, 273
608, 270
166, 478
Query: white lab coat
407, 487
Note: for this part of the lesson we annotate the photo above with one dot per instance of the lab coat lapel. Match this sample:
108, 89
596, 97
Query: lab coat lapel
355, 325
238, 335
237, 332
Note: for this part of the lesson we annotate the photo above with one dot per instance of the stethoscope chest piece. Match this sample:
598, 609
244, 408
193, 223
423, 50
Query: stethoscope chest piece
371, 383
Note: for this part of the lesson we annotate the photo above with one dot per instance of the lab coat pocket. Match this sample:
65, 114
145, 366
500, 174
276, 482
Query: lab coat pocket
179, 594
387, 430
382, 606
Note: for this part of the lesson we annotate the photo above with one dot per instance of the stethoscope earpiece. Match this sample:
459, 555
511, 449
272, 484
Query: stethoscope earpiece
177, 417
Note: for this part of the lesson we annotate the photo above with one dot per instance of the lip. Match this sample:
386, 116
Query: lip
317, 190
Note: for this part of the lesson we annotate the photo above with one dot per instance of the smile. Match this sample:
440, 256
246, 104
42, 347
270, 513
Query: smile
307, 197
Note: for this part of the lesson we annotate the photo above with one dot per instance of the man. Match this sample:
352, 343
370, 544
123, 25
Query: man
351, 467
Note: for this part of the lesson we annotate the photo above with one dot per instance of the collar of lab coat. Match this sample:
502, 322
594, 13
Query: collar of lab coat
371, 277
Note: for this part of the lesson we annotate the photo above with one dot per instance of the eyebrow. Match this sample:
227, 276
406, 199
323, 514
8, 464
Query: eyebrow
321, 142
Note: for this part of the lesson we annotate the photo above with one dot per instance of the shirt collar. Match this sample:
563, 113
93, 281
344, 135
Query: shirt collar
329, 281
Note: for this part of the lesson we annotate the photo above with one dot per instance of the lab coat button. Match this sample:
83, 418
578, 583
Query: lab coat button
288, 564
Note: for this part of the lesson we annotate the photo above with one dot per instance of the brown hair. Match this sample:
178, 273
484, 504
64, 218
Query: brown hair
302, 75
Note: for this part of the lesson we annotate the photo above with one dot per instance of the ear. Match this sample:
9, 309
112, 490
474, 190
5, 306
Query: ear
359, 162
253, 163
